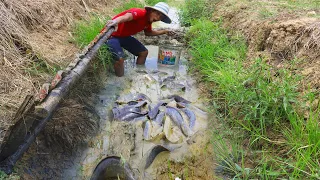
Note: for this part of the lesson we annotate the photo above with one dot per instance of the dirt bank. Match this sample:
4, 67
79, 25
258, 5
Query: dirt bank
35, 41
280, 31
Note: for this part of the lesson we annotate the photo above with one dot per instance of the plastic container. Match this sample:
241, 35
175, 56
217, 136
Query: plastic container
169, 55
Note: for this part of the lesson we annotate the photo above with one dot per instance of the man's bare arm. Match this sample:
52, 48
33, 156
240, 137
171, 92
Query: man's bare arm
125, 18
156, 33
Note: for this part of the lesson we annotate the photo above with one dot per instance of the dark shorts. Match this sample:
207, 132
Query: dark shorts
129, 43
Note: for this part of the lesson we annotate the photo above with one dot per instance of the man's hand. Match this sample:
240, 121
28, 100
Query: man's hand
170, 33
112, 23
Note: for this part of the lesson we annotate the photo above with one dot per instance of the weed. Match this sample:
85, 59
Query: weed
129, 5
265, 13
85, 31
169, 172
195, 9
40, 66
303, 4
4, 176
123, 160
153, 2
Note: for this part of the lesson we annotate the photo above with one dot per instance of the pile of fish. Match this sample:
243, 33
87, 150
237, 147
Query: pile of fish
172, 117
163, 79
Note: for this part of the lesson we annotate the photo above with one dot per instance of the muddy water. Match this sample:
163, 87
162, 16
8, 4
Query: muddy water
125, 139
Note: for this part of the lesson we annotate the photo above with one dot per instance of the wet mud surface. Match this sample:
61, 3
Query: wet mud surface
126, 139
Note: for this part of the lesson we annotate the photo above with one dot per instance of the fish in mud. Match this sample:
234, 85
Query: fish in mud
152, 130
172, 133
150, 78
160, 73
132, 97
129, 112
179, 87
140, 119
178, 98
141, 71
191, 116
173, 86
159, 119
153, 153
176, 117
167, 80
154, 111
131, 116
193, 108
147, 130
112, 168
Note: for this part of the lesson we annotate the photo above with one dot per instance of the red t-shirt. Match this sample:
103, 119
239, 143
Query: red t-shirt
139, 23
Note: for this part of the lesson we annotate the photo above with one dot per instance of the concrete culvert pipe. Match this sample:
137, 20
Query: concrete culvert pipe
112, 168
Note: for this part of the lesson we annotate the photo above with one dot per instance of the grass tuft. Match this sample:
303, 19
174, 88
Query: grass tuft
194, 9
85, 31
153, 2
129, 5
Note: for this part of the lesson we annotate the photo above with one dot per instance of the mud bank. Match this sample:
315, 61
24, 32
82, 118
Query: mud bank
278, 32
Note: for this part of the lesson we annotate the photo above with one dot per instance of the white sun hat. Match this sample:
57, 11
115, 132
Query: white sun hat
163, 8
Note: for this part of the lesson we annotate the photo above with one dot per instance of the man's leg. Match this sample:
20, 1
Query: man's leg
142, 56
119, 67
136, 48
117, 55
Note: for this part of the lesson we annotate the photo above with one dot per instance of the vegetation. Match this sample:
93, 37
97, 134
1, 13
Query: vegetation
258, 106
153, 2
4, 176
85, 31
195, 9
136, 4
129, 5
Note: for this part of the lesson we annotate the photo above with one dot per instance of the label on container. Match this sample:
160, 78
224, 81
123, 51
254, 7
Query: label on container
167, 56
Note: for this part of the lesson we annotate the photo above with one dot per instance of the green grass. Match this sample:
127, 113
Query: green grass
302, 4
153, 2
4, 176
195, 9
259, 101
85, 31
129, 5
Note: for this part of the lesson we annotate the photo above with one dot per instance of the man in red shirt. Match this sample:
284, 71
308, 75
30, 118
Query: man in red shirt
131, 22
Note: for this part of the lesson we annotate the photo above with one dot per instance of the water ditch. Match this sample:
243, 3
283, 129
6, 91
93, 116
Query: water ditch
190, 157
125, 139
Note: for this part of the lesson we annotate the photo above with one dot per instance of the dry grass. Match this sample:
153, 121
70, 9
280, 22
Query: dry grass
312, 32
33, 45
71, 125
